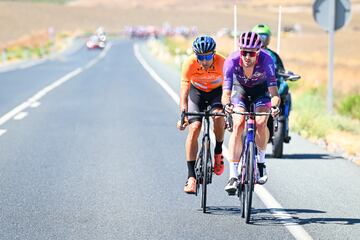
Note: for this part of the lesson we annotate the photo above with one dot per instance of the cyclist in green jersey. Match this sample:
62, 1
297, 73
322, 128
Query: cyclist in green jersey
265, 33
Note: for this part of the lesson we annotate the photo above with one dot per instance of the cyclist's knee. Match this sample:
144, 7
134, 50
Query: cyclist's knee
195, 128
238, 127
261, 123
218, 120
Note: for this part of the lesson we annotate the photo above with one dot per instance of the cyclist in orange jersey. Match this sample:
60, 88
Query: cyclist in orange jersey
201, 86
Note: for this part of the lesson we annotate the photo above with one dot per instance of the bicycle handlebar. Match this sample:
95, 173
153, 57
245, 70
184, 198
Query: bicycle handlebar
204, 114
260, 114
201, 114
182, 120
289, 76
253, 113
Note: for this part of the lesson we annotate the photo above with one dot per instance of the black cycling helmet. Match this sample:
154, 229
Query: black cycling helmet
204, 44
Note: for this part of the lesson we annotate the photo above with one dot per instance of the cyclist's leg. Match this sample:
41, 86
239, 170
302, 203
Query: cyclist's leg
235, 142
192, 140
191, 151
262, 135
235, 149
219, 136
262, 132
214, 99
195, 104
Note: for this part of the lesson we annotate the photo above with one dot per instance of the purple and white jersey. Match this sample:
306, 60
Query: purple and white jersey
264, 71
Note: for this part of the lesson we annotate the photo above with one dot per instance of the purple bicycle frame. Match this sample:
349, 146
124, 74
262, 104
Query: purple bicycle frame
250, 137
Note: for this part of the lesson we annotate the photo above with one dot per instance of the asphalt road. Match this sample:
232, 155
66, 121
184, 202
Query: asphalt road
89, 150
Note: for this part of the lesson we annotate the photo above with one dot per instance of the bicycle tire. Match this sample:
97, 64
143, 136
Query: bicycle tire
278, 140
241, 195
249, 184
198, 169
206, 159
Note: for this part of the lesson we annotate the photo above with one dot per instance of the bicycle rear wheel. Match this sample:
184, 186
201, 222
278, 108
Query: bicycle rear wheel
249, 183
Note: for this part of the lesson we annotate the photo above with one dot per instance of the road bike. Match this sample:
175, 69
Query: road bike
248, 168
203, 164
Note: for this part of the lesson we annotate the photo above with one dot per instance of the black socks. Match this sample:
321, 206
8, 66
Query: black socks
218, 147
261, 167
191, 168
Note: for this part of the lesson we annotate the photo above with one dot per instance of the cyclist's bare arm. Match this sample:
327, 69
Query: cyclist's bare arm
275, 98
184, 93
226, 97
185, 85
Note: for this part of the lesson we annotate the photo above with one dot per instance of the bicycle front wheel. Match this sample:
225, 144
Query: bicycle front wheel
205, 165
242, 195
199, 170
249, 184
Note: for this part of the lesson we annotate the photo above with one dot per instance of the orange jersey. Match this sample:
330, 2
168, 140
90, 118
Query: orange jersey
204, 80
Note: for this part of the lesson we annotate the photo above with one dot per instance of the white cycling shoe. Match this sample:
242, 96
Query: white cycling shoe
231, 186
262, 179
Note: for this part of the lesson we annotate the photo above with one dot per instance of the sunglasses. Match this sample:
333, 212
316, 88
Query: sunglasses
251, 53
206, 57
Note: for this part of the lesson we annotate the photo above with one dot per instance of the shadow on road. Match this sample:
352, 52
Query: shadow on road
266, 217
274, 217
306, 156
223, 210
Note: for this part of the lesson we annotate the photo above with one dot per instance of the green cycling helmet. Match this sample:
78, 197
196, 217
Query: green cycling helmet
262, 29
265, 33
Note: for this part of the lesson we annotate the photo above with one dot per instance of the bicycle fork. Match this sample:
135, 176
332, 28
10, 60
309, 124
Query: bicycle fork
250, 137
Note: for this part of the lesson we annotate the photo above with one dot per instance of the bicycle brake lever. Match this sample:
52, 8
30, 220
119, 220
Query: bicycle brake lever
182, 120
276, 124
229, 122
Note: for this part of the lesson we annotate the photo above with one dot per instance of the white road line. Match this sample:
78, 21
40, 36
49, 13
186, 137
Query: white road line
35, 104
20, 115
290, 223
270, 202
2, 131
38, 96
34, 100
155, 76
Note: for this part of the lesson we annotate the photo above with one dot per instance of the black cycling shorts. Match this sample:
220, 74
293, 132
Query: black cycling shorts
198, 101
259, 95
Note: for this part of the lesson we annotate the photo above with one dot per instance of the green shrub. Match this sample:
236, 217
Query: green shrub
311, 117
350, 106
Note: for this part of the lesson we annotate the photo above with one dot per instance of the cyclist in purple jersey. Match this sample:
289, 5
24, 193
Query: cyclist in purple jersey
249, 72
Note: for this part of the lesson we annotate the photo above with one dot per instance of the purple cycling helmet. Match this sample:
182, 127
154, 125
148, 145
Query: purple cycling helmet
250, 40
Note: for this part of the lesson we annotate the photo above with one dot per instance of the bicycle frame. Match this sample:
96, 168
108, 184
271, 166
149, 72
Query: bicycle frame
248, 167
249, 138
